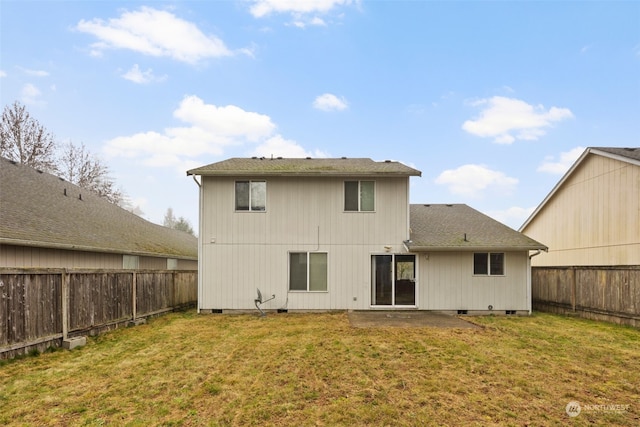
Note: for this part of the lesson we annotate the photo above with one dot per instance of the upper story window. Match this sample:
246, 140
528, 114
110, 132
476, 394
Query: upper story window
359, 196
251, 196
488, 264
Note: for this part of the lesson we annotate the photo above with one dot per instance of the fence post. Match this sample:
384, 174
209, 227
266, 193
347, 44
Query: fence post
573, 288
134, 297
65, 304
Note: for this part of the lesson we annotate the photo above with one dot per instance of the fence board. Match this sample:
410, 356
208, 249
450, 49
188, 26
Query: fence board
32, 306
4, 309
607, 293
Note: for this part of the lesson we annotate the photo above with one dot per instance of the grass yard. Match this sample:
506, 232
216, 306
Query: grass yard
315, 369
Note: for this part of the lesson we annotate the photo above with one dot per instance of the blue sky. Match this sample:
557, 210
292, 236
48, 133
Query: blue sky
492, 101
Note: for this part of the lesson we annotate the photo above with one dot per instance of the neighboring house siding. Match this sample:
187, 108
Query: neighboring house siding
593, 218
34, 257
242, 251
12, 256
447, 283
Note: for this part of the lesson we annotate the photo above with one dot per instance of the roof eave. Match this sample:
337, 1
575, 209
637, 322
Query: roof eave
300, 173
465, 248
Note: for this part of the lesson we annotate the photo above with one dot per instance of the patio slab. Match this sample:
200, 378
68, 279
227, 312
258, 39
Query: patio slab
407, 319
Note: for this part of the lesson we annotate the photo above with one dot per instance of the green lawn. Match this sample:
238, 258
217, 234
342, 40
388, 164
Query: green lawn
315, 369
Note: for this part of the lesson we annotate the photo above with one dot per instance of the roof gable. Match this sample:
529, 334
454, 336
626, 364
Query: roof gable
628, 155
40, 209
460, 227
261, 166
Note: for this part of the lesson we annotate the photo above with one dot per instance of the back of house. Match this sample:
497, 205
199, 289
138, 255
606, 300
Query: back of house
336, 234
297, 228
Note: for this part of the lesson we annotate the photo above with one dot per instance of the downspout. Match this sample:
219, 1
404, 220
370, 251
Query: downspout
200, 278
529, 302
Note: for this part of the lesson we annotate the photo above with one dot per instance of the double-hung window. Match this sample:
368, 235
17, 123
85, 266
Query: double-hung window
359, 196
251, 196
488, 264
308, 271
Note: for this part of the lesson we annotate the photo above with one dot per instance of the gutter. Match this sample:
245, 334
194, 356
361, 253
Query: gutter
474, 248
200, 238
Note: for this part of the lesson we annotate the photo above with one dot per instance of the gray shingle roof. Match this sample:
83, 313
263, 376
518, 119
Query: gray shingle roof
35, 211
261, 166
443, 227
632, 153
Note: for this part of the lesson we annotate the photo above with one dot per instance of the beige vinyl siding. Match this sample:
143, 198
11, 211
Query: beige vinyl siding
447, 282
245, 268
35, 257
14, 256
242, 251
593, 218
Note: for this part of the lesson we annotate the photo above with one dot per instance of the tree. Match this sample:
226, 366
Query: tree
184, 225
169, 219
78, 166
24, 140
181, 223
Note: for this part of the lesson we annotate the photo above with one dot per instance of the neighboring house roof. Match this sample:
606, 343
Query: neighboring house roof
629, 155
40, 209
458, 227
261, 166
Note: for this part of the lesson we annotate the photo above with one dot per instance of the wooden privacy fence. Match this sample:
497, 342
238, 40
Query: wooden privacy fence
601, 293
41, 308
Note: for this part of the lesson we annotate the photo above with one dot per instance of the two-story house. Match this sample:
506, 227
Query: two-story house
336, 234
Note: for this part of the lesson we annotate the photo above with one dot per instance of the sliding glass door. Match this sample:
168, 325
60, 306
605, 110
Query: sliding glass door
393, 280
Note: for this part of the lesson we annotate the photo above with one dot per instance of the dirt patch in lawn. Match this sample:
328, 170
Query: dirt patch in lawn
407, 319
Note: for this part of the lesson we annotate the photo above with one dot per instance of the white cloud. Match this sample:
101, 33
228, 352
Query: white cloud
142, 77
30, 95
318, 22
3, 73
209, 130
34, 73
330, 102
229, 121
261, 8
509, 119
277, 146
561, 165
303, 21
153, 32
475, 180
513, 217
